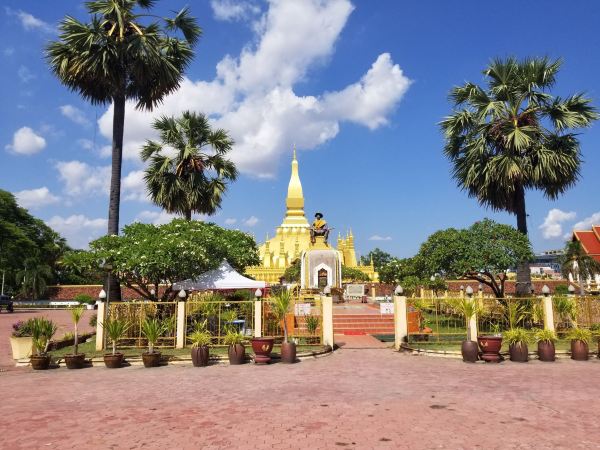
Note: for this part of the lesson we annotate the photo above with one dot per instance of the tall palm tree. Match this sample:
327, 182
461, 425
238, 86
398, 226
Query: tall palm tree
195, 177
34, 277
577, 262
122, 54
512, 135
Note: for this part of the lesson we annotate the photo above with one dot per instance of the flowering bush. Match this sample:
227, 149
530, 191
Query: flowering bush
22, 328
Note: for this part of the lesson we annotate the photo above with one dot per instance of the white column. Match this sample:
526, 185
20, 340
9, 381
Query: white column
548, 312
473, 320
258, 318
400, 321
327, 320
180, 325
99, 328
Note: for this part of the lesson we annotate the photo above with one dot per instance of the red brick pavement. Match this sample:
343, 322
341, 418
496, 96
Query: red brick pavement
353, 399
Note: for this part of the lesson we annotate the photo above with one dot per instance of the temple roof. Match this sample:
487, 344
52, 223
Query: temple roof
590, 241
294, 202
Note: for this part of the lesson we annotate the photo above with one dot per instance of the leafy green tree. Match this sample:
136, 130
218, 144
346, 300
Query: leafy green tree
292, 273
123, 53
577, 262
146, 255
196, 177
379, 258
397, 269
513, 135
353, 275
482, 252
34, 278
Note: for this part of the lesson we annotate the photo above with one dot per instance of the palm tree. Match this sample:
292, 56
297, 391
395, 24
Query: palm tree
577, 262
34, 277
512, 136
195, 178
122, 55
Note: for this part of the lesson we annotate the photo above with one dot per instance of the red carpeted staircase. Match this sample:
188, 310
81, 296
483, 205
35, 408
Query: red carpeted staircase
363, 324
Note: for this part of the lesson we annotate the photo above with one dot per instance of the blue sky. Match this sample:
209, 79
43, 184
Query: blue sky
358, 86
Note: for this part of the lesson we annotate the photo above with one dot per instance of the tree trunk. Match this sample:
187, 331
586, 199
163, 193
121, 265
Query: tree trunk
115, 182
188, 215
523, 287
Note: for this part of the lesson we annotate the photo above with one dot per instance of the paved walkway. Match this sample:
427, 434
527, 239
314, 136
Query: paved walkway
353, 399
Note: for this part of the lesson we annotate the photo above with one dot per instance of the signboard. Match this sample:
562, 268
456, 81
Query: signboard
302, 309
386, 308
355, 290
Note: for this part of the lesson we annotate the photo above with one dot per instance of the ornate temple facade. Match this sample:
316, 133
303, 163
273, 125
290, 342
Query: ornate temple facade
292, 238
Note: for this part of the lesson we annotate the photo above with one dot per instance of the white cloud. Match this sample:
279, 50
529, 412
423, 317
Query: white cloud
230, 10
75, 114
30, 22
253, 95
552, 226
155, 217
376, 237
85, 144
25, 74
78, 229
251, 221
26, 142
134, 186
230, 221
34, 198
586, 224
81, 179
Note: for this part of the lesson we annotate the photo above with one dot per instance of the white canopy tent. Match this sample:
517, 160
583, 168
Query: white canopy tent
222, 278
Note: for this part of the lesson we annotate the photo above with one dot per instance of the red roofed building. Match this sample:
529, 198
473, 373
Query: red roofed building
590, 241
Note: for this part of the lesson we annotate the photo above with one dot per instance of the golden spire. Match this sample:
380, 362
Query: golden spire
294, 201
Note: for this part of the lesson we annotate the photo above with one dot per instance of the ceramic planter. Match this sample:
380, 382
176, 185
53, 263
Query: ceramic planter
579, 350
519, 352
200, 356
40, 362
262, 347
546, 351
490, 348
21, 347
469, 351
151, 359
236, 354
113, 361
75, 361
288, 352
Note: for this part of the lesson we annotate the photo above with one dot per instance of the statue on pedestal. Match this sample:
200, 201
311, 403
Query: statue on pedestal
319, 228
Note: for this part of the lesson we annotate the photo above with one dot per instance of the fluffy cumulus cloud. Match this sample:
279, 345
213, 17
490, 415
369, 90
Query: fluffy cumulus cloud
36, 198
134, 187
155, 217
78, 229
26, 142
230, 221
29, 22
230, 10
586, 224
251, 221
25, 74
75, 115
253, 94
377, 237
553, 223
81, 179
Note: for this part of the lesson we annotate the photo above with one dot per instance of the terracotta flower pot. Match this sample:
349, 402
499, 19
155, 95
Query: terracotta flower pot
40, 362
519, 352
151, 359
288, 352
236, 354
262, 347
75, 361
579, 350
470, 352
490, 347
546, 351
200, 356
113, 361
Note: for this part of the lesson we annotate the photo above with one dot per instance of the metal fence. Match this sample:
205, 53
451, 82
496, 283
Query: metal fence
218, 317
134, 313
303, 322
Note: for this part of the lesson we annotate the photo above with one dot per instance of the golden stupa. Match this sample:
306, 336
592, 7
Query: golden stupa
293, 237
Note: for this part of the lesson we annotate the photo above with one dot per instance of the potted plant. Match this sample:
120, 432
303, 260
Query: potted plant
595, 329
21, 341
201, 340
152, 329
114, 329
545, 341
281, 306
86, 300
236, 350
580, 339
517, 344
42, 331
312, 323
468, 308
490, 345
75, 360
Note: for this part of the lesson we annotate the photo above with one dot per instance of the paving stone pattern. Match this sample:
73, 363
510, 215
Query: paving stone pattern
357, 398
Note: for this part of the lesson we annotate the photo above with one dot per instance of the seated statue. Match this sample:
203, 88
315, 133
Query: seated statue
319, 228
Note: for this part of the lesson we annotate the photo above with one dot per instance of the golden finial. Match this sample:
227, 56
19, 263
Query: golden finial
294, 151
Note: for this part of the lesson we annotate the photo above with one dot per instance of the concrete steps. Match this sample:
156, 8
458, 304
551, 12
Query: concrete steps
363, 324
